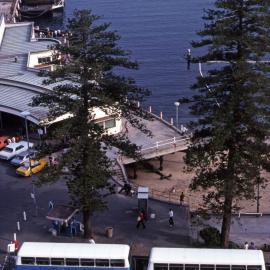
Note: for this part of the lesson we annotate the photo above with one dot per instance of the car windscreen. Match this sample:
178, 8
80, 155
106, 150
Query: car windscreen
7, 149
19, 157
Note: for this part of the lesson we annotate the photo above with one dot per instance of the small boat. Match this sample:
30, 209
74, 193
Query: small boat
42, 7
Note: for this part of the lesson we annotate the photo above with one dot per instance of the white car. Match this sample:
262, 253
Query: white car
14, 149
23, 157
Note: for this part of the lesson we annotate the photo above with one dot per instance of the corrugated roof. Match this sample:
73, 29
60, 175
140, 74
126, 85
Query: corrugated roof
14, 99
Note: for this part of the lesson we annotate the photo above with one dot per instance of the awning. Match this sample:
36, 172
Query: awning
62, 213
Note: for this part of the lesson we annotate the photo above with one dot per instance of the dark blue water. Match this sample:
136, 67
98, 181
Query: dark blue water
158, 32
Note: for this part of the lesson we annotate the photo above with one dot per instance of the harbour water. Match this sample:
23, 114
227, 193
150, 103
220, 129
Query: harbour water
158, 33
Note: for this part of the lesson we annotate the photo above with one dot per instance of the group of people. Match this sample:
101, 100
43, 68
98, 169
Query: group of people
249, 246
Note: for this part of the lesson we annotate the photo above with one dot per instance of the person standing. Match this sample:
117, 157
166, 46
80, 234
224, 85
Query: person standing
171, 221
182, 197
140, 220
246, 245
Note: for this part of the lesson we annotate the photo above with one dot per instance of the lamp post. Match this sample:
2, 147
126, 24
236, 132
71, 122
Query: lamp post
33, 195
177, 104
25, 114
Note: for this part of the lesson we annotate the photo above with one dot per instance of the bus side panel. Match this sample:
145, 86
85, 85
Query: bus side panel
50, 267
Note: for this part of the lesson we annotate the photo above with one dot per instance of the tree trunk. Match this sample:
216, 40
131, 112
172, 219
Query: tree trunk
226, 221
87, 224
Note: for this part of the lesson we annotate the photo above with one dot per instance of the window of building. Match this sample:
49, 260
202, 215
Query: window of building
57, 261
87, 262
160, 266
117, 263
72, 261
110, 123
44, 60
42, 261
28, 260
102, 262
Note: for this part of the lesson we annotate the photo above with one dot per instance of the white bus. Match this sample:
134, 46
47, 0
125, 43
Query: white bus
72, 256
205, 259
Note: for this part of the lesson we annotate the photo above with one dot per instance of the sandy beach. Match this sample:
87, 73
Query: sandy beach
179, 182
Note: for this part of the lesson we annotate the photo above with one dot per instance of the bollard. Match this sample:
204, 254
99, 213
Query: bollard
18, 226
150, 109
24, 216
161, 115
172, 121
138, 104
14, 236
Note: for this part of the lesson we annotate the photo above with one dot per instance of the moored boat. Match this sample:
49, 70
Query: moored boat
38, 8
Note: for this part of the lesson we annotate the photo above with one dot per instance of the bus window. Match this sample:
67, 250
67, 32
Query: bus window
238, 267
223, 267
254, 267
207, 267
191, 267
176, 267
42, 261
72, 261
160, 266
119, 263
28, 260
57, 261
102, 262
87, 262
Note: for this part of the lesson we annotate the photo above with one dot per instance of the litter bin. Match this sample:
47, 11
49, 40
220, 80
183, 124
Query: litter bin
109, 232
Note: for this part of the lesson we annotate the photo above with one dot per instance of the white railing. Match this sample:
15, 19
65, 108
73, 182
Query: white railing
172, 142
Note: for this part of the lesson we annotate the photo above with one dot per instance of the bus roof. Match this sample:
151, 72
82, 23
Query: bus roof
73, 250
207, 256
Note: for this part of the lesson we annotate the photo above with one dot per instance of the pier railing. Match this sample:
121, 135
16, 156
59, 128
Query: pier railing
165, 144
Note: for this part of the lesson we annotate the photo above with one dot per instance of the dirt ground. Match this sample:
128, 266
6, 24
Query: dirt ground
179, 182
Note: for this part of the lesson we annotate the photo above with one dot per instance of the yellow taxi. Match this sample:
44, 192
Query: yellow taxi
36, 166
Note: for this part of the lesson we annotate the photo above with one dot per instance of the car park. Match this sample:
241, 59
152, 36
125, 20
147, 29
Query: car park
36, 166
13, 149
23, 157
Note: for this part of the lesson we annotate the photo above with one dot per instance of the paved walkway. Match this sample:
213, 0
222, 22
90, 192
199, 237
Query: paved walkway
121, 215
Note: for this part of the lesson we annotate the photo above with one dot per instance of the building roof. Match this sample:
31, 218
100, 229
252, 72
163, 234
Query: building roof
18, 85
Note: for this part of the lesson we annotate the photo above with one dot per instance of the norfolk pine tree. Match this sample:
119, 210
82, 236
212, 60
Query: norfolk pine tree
229, 147
86, 80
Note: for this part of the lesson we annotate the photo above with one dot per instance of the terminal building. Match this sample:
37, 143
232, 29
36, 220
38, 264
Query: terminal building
22, 57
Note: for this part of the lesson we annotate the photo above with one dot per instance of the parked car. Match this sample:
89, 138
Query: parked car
13, 149
5, 140
36, 166
23, 157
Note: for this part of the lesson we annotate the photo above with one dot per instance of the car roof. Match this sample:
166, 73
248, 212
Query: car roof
14, 144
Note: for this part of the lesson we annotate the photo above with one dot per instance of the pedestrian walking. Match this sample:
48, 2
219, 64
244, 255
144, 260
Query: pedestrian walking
171, 222
140, 220
182, 197
246, 245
